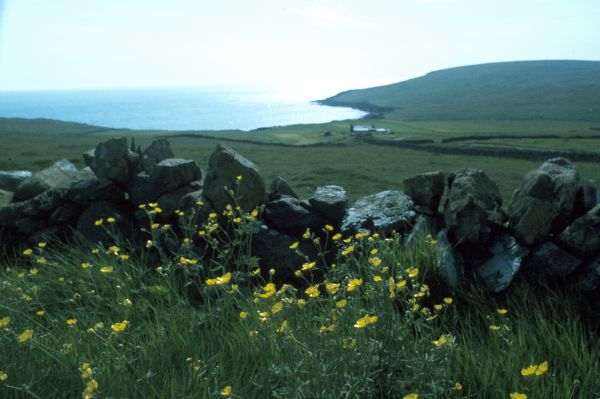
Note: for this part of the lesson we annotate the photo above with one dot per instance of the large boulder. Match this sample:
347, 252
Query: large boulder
583, 235
588, 279
383, 212
426, 190
272, 248
507, 257
278, 188
85, 192
168, 175
158, 150
472, 208
330, 202
289, 215
86, 223
551, 260
222, 187
60, 175
450, 264
10, 180
544, 203
112, 160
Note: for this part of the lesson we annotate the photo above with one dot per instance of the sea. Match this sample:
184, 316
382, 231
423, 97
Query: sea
196, 108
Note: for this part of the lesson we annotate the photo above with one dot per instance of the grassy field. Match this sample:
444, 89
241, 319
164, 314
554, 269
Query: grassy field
361, 168
108, 322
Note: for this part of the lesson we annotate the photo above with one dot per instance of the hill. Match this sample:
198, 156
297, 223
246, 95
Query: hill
523, 90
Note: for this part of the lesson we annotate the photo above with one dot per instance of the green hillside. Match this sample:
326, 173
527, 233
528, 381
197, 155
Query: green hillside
524, 90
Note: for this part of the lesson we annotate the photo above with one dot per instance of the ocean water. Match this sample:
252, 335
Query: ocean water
171, 109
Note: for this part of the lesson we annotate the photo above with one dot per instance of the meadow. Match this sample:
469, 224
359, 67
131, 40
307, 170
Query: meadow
166, 320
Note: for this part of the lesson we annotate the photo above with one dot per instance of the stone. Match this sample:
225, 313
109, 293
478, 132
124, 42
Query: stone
10, 214
426, 190
171, 201
167, 175
383, 212
159, 150
278, 188
551, 260
272, 248
10, 180
583, 235
60, 175
65, 213
588, 279
86, 223
85, 192
289, 215
6, 197
28, 226
507, 257
88, 174
450, 262
425, 226
221, 186
545, 201
330, 202
472, 208
111, 160
88, 157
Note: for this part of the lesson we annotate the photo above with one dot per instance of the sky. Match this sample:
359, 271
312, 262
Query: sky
306, 48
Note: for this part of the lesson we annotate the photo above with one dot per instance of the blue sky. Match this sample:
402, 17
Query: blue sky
303, 47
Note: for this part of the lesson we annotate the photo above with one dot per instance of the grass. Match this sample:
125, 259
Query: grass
193, 319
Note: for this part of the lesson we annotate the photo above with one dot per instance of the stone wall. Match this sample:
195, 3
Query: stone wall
551, 226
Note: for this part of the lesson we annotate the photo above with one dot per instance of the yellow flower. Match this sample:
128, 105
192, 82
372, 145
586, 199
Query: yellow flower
308, 266
494, 327
71, 322
401, 284
355, 282
542, 368
444, 339
40, 313
95, 250
28, 252
365, 321
33, 271
114, 250
256, 271
341, 303
26, 297
86, 371
277, 308
502, 311
3, 376
110, 220
517, 395
529, 370
458, 386
5, 321
25, 336
375, 261
199, 203
90, 389
348, 250
329, 227
227, 390
349, 343
106, 269
312, 291
361, 235
224, 279
412, 272
243, 315
374, 251
212, 215
294, 245
268, 290
306, 234
301, 303
411, 396
377, 278
99, 222
85, 265
41, 261
336, 237
284, 325
42, 244
325, 329
448, 301
332, 288
119, 327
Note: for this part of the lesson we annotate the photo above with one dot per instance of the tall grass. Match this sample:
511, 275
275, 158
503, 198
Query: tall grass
196, 319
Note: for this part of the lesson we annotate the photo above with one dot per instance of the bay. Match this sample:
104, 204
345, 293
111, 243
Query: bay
204, 108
